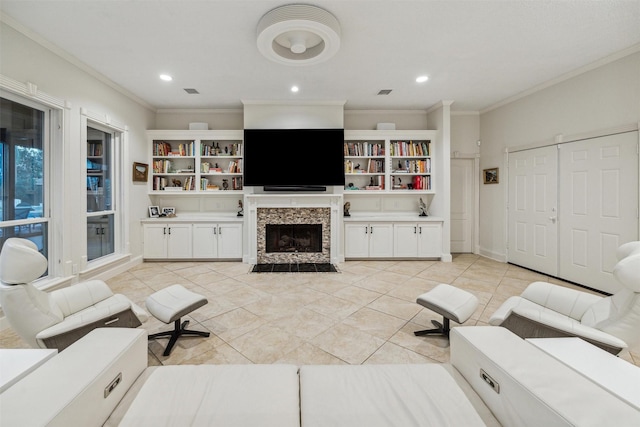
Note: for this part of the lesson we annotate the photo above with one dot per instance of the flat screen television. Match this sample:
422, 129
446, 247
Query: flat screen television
293, 159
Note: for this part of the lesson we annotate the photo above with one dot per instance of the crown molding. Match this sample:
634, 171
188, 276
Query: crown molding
591, 66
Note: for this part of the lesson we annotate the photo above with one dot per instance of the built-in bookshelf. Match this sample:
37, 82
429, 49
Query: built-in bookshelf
187, 162
378, 161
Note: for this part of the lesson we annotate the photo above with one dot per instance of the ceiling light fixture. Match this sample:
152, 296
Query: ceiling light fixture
422, 79
298, 34
166, 77
294, 88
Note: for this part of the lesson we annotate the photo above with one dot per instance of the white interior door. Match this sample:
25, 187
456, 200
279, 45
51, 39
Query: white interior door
462, 209
532, 209
599, 211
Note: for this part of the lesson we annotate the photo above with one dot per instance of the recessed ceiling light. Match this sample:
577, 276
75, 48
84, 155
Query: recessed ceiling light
166, 77
294, 88
422, 79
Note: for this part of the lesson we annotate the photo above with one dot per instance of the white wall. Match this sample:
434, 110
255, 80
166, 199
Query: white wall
24, 60
216, 119
599, 99
465, 132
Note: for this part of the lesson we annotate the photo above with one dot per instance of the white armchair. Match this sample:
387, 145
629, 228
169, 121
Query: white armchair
546, 310
59, 318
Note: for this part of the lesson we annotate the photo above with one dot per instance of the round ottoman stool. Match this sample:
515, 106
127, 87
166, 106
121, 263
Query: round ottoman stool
169, 305
452, 303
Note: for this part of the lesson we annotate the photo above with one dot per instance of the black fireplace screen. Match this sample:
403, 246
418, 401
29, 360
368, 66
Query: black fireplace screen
294, 238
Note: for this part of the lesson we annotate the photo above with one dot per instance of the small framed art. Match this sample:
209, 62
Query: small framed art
140, 172
168, 211
154, 211
491, 176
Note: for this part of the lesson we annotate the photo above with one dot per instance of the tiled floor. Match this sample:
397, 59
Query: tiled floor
366, 313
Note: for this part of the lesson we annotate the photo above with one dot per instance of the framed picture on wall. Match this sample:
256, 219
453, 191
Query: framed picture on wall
140, 172
491, 176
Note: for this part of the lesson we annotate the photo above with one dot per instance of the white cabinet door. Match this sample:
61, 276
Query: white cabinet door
430, 240
229, 240
155, 241
205, 242
405, 240
381, 240
179, 241
356, 240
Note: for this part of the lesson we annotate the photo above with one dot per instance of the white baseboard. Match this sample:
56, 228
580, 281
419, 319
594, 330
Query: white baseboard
493, 255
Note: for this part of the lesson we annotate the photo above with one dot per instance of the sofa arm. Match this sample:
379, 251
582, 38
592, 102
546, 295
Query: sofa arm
570, 302
80, 386
112, 312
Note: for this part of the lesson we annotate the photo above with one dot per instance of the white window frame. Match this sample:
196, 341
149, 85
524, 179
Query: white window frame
55, 133
119, 188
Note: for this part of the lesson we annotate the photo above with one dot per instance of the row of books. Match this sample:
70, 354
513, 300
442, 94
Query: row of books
208, 185
413, 166
215, 150
373, 166
94, 149
161, 148
411, 183
410, 148
363, 149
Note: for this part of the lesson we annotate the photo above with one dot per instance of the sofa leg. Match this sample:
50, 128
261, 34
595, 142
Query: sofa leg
441, 328
178, 331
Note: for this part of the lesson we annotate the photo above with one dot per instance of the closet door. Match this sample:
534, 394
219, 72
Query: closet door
532, 209
599, 207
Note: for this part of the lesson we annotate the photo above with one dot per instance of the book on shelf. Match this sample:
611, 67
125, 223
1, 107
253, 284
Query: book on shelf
161, 148
236, 183
94, 149
214, 149
234, 166
363, 149
410, 148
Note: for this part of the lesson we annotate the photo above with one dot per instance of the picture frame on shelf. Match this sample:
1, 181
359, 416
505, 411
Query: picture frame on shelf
140, 172
154, 212
491, 176
168, 211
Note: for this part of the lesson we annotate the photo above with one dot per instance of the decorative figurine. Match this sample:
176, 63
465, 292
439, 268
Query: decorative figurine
347, 206
240, 208
422, 207
225, 184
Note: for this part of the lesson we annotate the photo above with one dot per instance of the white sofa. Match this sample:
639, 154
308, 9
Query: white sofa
495, 378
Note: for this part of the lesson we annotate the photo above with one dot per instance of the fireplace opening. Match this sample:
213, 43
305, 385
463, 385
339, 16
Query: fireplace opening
293, 238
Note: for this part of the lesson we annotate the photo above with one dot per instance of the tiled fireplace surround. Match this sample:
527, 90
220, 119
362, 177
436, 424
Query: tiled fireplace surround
321, 209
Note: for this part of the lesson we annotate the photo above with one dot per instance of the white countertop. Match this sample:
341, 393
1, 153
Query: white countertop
197, 217
390, 217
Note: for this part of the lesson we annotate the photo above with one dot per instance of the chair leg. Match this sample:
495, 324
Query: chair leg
178, 330
440, 328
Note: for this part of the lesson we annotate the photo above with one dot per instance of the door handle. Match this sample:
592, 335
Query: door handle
552, 219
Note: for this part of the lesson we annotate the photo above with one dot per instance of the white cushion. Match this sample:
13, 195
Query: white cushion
451, 302
173, 302
383, 395
217, 395
80, 296
570, 302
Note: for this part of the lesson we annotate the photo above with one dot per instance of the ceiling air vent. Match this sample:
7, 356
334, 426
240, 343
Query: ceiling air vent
385, 92
191, 91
